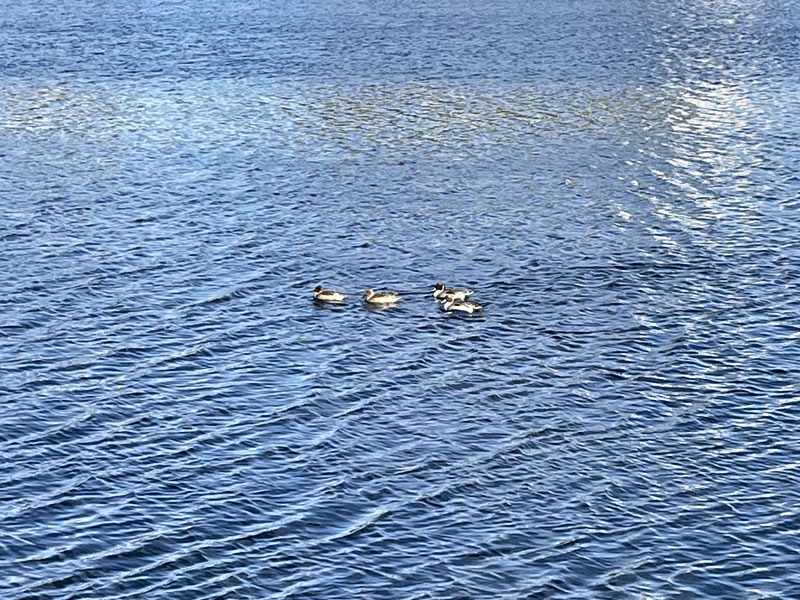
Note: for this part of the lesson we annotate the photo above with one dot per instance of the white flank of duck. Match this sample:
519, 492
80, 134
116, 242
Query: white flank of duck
461, 305
323, 295
380, 297
440, 292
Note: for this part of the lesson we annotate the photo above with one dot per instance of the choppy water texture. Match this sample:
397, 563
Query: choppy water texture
617, 181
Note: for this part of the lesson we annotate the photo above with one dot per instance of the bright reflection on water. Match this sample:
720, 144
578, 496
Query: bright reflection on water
616, 181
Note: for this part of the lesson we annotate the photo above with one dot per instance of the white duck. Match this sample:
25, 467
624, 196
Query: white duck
440, 292
381, 298
323, 295
466, 306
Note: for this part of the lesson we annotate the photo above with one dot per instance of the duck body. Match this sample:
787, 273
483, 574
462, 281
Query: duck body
457, 304
380, 298
441, 292
323, 295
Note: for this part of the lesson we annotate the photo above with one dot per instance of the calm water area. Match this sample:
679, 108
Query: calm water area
617, 181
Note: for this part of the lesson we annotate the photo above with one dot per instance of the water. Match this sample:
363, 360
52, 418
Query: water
616, 181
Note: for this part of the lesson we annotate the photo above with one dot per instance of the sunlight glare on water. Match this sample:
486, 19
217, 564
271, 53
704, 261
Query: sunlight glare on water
617, 182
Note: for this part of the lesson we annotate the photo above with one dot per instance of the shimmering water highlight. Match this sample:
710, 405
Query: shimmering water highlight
617, 182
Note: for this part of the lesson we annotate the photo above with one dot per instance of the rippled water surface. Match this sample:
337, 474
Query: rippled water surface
617, 181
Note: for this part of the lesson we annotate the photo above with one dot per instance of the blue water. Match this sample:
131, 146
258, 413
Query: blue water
617, 181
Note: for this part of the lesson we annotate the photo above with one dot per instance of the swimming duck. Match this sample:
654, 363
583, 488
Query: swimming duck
380, 297
323, 295
440, 292
466, 306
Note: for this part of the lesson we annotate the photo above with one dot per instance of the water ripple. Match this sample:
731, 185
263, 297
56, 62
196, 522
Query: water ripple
616, 182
